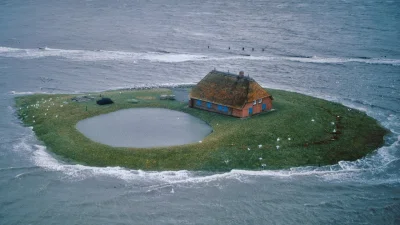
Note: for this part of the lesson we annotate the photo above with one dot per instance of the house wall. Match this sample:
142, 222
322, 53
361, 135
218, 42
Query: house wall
237, 112
268, 101
213, 108
257, 108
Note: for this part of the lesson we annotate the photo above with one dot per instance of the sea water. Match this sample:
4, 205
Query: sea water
342, 51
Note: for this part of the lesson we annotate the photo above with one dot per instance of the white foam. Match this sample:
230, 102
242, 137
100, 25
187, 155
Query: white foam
341, 171
97, 55
78, 172
172, 58
43, 159
7, 49
21, 92
148, 86
380, 160
102, 55
335, 60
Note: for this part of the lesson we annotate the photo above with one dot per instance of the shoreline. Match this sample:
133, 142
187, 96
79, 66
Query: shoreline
300, 131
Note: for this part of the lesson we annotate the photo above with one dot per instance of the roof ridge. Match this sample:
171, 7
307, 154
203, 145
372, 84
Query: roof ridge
232, 74
228, 89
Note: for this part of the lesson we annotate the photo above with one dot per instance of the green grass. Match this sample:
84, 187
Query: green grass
312, 143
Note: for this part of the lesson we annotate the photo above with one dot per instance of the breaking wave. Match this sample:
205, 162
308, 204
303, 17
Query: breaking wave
168, 57
372, 168
22, 92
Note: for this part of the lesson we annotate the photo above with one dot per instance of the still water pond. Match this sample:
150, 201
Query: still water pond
144, 128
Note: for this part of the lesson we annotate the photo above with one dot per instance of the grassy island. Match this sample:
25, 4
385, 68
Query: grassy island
300, 131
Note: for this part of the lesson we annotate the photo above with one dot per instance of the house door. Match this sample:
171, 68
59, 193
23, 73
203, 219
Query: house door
264, 107
250, 111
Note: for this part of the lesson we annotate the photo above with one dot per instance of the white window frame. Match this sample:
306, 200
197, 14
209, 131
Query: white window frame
254, 102
260, 100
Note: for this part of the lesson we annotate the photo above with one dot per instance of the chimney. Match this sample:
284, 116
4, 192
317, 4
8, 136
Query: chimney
241, 74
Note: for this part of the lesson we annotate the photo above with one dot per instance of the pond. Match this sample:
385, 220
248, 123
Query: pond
144, 128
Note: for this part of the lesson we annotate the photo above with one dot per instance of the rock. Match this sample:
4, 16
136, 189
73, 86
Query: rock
83, 98
104, 101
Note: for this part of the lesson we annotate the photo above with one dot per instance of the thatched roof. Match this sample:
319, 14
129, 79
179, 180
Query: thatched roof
228, 89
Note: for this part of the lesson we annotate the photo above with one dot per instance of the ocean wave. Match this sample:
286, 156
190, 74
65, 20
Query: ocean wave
19, 168
47, 90
151, 86
336, 60
98, 55
167, 57
372, 164
22, 92
362, 105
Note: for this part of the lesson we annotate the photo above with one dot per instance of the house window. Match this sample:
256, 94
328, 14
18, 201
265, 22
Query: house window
198, 102
209, 105
254, 102
250, 111
260, 100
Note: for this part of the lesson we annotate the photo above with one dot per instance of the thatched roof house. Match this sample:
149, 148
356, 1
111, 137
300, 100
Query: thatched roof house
230, 94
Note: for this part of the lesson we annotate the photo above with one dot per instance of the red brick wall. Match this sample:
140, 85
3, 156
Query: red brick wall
237, 113
257, 108
245, 110
268, 101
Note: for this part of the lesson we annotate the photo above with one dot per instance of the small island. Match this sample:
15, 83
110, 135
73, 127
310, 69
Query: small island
299, 131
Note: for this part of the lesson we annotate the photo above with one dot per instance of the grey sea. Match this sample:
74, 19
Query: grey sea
346, 51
